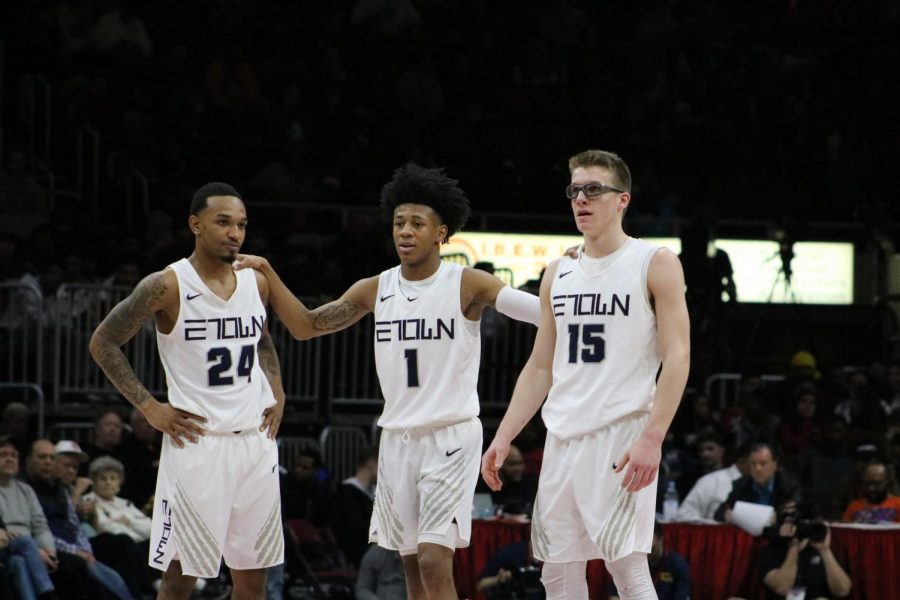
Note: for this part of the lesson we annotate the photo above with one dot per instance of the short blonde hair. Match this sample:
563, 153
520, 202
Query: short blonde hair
608, 160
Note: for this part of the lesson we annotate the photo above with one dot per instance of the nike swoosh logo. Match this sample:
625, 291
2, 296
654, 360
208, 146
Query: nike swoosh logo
452, 452
383, 298
561, 275
190, 297
274, 467
413, 299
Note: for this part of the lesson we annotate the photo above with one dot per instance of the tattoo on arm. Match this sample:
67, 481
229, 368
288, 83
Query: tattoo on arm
119, 326
268, 362
334, 315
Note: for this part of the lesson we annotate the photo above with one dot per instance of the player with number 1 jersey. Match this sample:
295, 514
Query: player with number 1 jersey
427, 349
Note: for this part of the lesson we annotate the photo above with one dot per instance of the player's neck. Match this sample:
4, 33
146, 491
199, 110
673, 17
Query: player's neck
422, 270
604, 243
211, 268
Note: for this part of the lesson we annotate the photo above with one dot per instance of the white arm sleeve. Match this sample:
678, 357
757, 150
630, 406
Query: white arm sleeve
519, 305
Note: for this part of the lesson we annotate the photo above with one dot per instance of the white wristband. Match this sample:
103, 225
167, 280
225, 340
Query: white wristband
519, 305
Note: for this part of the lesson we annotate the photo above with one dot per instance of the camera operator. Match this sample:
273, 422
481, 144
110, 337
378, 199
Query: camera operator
512, 573
798, 563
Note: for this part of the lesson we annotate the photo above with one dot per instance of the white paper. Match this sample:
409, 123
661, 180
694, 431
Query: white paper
752, 517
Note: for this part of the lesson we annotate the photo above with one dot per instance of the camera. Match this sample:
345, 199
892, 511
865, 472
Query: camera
808, 525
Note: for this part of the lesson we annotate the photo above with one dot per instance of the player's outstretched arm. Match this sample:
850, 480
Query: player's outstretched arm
487, 290
665, 280
328, 318
531, 389
155, 293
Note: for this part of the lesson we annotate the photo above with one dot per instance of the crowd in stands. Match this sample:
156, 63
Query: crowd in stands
724, 111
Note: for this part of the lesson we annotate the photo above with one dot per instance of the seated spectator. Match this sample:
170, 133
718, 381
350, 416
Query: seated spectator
799, 563
879, 505
713, 489
302, 495
801, 429
351, 510
26, 542
17, 425
767, 483
518, 492
512, 572
107, 440
381, 575
69, 458
670, 572
114, 514
827, 471
140, 455
68, 536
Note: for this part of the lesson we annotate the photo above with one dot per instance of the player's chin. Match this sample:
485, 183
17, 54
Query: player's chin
229, 258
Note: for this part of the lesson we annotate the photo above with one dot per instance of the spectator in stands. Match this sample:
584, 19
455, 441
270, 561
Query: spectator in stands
711, 452
767, 483
880, 503
670, 572
863, 409
827, 471
516, 497
801, 429
713, 489
17, 425
140, 452
107, 439
68, 536
302, 494
511, 572
893, 386
381, 575
26, 543
799, 562
351, 509
112, 548
69, 458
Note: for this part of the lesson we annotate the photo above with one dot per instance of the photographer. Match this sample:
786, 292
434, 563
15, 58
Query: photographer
798, 562
512, 574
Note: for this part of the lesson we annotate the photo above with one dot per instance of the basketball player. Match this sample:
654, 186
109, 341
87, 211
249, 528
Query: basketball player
427, 353
608, 318
217, 495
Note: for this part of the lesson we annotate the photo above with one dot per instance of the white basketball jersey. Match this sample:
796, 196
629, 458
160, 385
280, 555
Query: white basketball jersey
210, 355
605, 362
426, 353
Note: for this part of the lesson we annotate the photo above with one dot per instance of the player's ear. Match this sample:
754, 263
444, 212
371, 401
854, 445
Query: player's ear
194, 224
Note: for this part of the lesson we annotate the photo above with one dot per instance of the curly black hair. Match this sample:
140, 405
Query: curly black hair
413, 184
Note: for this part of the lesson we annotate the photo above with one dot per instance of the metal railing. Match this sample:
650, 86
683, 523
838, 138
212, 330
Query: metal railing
22, 330
724, 389
330, 379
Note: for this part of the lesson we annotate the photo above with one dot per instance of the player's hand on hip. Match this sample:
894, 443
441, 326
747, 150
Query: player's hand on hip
175, 422
491, 463
272, 419
640, 464
249, 261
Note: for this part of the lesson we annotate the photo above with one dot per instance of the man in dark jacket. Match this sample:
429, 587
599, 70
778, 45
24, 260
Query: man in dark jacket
767, 483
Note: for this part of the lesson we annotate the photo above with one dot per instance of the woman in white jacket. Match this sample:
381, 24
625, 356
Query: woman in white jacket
114, 514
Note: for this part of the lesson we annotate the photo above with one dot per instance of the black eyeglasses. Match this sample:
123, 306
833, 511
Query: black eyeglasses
590, 189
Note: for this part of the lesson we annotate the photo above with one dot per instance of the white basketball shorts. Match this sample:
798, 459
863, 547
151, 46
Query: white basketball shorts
426, 484
581, 511
218, 497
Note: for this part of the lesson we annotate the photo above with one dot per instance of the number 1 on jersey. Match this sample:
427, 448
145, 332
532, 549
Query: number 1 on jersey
594, 349
412, 367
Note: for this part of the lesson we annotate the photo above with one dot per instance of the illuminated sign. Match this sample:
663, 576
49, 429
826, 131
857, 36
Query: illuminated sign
822, 271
